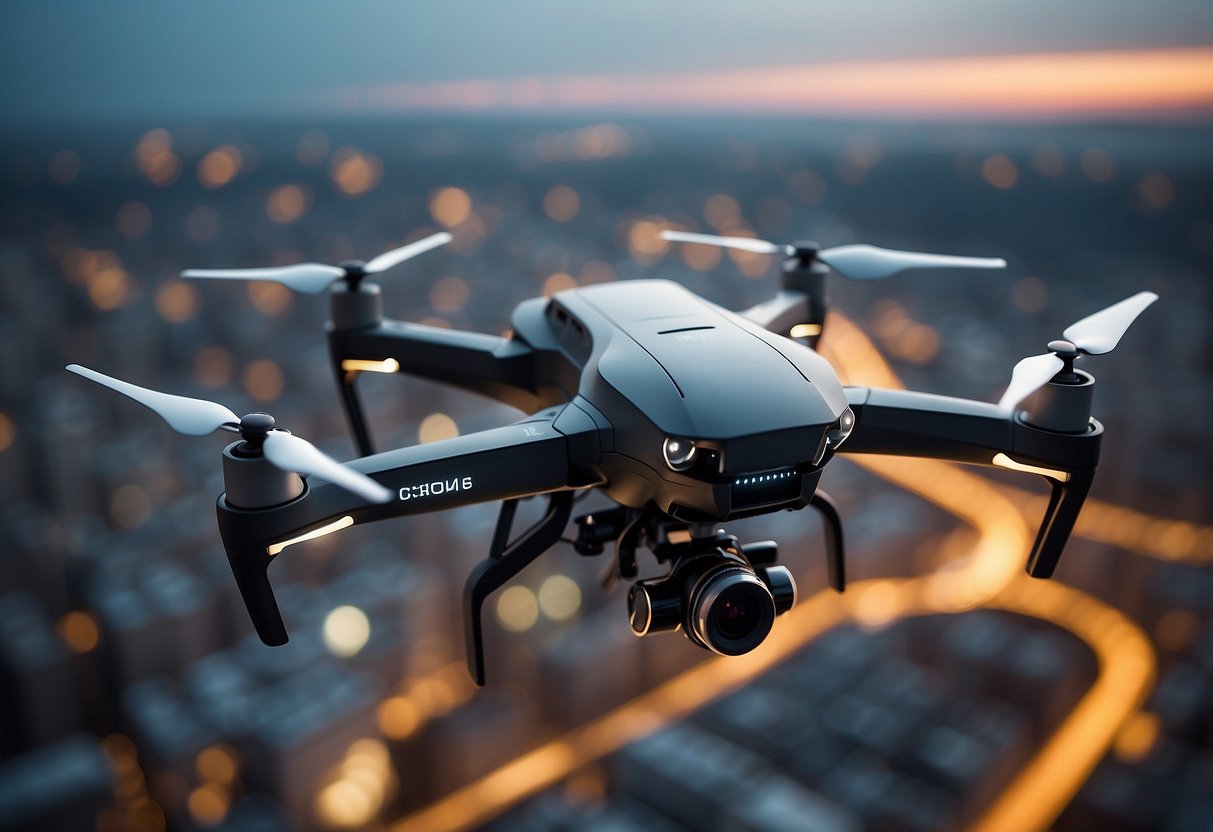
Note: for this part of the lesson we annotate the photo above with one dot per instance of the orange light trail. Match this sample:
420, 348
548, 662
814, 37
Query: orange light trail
991, 573
1060, 84
1049, 781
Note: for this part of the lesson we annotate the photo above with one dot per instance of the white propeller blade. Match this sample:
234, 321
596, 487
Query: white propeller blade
314, 278
308, 278
198, 417
1095, 335
743, 243
1029, 375
857, 262
193, 417
864, 262
1101, 332
392, 258
290, 453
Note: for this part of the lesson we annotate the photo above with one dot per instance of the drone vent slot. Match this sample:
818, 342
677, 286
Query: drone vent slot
684, 329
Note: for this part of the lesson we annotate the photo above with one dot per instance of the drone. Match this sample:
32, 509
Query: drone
686, 415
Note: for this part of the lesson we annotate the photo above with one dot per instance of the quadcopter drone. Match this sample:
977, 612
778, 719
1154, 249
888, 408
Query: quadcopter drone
686, 415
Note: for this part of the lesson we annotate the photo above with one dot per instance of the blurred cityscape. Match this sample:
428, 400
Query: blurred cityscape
943, 690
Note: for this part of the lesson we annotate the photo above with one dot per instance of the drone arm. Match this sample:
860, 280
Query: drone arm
905, 423
500, 368
552, 451
798, 309
780, 313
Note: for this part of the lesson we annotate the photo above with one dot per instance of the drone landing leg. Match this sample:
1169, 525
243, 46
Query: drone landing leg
354, 412
506, 559
1064, 505
832, 521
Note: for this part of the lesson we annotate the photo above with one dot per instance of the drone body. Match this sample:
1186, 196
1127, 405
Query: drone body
685, 414
667, 372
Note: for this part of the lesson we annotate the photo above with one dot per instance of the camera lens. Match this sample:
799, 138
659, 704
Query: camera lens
731, 610
735, 617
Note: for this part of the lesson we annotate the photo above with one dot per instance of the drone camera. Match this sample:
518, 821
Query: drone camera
718, 599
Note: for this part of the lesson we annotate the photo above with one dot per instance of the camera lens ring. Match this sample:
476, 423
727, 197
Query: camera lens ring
640, 610
708, 610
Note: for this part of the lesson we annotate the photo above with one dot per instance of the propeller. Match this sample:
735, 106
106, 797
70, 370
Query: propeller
284, 450
313, 278
857, 262
1093, 335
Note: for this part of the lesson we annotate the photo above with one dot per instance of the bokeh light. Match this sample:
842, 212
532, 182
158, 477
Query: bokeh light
287, 203
561, 203
130, 506
517, 608
999, 171
262, 380
8, 432
436, 427
450, 206
79, 631
559, 597
346, 631
219, 167
176, 302
355, 172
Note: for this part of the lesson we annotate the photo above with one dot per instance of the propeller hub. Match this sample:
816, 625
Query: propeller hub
805, 251
1064, 349
253, 430
1067, 352
354, 270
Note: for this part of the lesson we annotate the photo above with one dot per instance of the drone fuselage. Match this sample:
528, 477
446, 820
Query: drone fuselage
650, 362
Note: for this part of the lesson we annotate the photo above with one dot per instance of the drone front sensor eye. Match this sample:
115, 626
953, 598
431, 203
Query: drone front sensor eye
679, 453
840, 430
836, 434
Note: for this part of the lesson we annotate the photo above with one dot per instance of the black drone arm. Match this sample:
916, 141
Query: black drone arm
551, 451
501, 368
497, 367
798, 309
905, 423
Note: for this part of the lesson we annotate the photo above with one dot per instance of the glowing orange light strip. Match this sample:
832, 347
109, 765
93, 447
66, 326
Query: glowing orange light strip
364, 365
1058, 84
335, 526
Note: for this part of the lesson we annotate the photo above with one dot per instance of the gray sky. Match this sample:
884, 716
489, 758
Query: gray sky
205, 58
